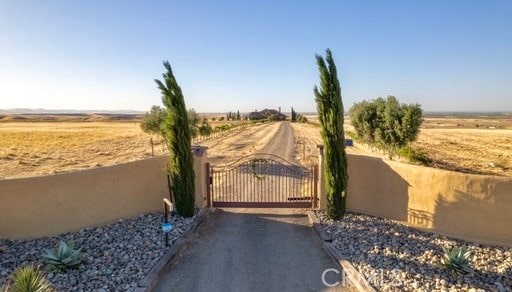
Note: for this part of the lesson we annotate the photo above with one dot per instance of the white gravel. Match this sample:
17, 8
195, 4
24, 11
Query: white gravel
115, 257
394, 257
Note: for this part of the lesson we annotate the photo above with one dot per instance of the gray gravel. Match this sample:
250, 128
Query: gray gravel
115, 257
394, 257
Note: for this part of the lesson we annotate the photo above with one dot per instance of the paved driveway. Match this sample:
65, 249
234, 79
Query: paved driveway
251, 250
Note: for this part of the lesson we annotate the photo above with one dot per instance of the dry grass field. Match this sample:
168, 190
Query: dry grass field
28, 148
470, 144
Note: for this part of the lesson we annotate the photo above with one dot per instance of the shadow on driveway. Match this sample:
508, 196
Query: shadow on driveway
251, 250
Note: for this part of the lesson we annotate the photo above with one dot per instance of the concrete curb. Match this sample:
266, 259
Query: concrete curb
150, 280
324, 236
355, 278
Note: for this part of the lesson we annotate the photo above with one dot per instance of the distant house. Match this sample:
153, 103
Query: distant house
265, 114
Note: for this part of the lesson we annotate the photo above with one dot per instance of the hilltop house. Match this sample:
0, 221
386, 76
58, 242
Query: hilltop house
266, 114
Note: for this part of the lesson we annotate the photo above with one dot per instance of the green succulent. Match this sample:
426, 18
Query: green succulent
65, 257
29, 279
457, 260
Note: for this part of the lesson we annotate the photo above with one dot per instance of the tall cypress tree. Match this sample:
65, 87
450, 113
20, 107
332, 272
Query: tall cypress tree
177, 134
330, 114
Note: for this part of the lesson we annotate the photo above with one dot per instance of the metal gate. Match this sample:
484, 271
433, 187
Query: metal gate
262, 181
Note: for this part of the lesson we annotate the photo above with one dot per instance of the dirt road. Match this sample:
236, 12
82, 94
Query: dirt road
282, 143
263, 179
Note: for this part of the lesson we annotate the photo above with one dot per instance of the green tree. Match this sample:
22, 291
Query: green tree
177, 133
205, 129
293, 116
193, 122
152, 121
330, 113
238, 118
386, 123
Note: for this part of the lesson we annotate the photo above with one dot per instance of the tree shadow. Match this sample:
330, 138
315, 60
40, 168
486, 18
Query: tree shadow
380, 190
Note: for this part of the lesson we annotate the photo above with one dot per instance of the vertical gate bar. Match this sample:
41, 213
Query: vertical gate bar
208, 182
287, 183
213, 185
231, 188
269, 197
315, 185
236, 185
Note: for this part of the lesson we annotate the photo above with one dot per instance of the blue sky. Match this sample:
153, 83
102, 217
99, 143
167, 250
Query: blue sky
246, 55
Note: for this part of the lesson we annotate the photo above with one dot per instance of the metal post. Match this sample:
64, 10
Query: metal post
315, 186
208, 185
166, 220
152, 149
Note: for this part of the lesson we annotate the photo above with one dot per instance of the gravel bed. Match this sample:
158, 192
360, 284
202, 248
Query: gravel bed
394, 257
115, 257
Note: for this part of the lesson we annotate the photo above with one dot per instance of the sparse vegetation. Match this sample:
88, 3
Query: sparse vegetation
330, 114
29, 279
204, 128
65, 257
414, 155
52, 147
456, 260
178, 137
295, 117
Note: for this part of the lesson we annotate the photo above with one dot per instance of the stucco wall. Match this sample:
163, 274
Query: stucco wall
49, 205
471, 207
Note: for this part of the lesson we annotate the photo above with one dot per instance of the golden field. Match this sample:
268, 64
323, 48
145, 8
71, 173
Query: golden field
470, 144
37, 148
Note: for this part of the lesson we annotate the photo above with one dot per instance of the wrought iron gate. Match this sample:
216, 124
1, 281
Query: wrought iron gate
262, 181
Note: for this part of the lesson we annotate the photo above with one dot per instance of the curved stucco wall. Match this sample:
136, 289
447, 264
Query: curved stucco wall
470, 207
50, 205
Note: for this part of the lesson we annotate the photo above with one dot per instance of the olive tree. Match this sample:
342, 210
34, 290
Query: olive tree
386, 123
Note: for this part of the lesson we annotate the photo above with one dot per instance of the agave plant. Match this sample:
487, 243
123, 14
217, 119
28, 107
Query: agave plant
457, 260
65, 257
29, 279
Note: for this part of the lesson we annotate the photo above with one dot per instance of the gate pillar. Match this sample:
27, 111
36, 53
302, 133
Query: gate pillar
322, 198
200, 160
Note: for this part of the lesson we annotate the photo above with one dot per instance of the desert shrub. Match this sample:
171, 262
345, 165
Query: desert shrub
386, 123
204, 128
295, 117
330, 115
65, 257
29, 279
456, 260
414, 155
301, 118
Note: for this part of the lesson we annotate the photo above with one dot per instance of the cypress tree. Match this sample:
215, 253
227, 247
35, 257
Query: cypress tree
330, 114
177, 134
